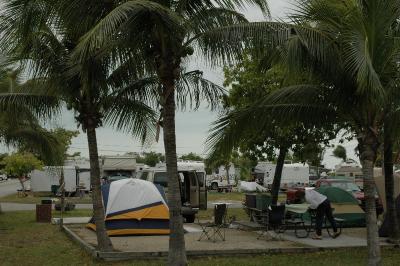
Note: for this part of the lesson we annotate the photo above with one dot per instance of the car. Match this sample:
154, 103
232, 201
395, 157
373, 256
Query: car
351, 187
3, 177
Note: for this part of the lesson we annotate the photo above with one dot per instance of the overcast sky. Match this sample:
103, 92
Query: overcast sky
191, 127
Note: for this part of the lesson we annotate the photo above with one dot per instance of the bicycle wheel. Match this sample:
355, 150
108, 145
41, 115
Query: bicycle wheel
329, 229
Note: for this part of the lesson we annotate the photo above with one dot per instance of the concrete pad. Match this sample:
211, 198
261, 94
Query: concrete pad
191, 229
71, 220
343, 240
236, 241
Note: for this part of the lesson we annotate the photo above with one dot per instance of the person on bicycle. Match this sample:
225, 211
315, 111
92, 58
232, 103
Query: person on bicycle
323, 208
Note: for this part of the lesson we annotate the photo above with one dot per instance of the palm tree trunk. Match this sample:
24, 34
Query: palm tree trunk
103, 241
177, 251
368, 146
227, 167
391, 215
276, 184
21, 181
62, 186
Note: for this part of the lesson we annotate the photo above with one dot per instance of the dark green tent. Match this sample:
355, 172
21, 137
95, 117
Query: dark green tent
345, 206
337, 195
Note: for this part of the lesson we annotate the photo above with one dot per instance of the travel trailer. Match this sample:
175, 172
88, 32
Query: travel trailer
349, 169
293, 174
218, 180
74, 178
118, 165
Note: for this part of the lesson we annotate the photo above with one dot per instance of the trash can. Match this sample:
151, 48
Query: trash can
263, 201
251, 200
54, 189
43, 212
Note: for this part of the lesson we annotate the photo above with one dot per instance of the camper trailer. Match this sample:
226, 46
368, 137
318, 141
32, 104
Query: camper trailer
118, 165
193, 188
293, 174
74, 177
218, 180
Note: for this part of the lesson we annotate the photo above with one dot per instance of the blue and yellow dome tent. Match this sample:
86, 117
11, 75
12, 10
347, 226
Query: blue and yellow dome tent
134, 207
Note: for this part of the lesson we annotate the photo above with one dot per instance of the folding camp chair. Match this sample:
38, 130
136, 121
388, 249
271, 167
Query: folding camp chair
215, 229
273, 219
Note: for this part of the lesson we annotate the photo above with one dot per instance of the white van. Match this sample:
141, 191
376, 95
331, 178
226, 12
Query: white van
192, 186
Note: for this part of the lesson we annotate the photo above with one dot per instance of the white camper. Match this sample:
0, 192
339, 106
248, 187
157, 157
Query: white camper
292, 174
219, 178
74, 177
119, 165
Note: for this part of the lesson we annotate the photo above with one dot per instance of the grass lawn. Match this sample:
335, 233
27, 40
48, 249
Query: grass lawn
220, 196
25, 242
74, 213
240, 214
36, 198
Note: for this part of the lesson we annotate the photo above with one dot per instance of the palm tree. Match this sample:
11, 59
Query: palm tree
161, 35
42, 42
390, 133
349, 50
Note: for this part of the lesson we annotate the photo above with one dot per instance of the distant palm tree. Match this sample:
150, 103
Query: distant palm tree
19, 127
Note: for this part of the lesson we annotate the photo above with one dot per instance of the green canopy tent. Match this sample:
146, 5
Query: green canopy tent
345, 206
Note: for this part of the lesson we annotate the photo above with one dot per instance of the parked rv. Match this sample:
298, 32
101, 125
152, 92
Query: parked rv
221, 179
293, 174
119, 165
193, 188
74, 178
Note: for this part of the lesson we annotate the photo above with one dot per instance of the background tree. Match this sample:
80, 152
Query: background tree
151, 158
340, 153
311, 153
218, 160
20, 165
191, 157
251, 80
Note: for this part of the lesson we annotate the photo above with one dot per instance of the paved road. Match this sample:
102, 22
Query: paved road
8, 206
9, 187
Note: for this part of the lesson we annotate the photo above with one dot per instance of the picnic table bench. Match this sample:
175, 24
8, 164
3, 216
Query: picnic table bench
295, 218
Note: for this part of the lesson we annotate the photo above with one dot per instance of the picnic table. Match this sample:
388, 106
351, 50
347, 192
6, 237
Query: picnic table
300, 212
296, 218
297, 208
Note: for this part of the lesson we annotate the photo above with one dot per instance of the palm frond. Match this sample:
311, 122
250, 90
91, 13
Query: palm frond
193, 89
108, 28
227, 44
133, 117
